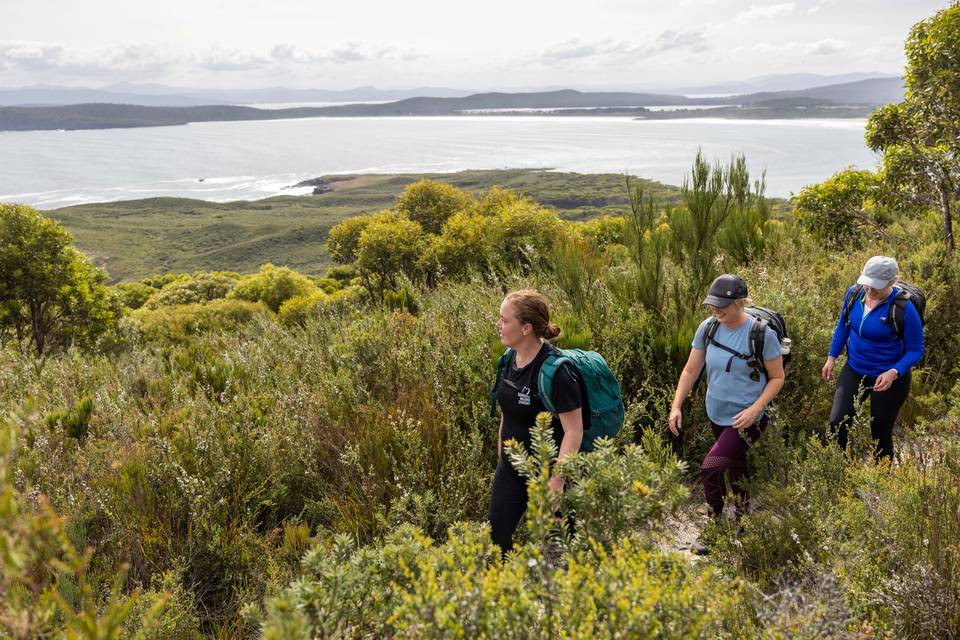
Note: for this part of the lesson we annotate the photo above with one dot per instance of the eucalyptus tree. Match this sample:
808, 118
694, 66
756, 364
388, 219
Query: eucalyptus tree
920, 137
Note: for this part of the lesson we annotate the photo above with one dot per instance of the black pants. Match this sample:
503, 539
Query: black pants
508, 501
852, 390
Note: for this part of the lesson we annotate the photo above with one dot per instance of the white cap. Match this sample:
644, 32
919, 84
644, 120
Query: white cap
878, 272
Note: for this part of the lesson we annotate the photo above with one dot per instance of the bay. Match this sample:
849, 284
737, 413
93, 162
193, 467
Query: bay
223, 161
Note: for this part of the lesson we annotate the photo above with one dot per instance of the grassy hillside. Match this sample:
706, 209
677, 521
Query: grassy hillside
136, 238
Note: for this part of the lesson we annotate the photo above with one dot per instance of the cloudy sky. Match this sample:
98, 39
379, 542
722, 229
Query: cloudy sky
465, 45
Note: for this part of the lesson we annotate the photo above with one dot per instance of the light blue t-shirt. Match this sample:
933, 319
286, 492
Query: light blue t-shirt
729, 393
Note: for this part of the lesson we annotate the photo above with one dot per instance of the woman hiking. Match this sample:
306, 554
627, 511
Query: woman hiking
739, 388
879, 355
524, 327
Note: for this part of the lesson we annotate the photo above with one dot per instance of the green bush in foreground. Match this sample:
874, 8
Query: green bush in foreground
408, 586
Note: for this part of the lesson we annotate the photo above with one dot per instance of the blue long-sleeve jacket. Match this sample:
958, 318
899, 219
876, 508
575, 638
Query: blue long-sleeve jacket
872, 345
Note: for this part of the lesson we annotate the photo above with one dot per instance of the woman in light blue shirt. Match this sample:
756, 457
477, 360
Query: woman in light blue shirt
740, 385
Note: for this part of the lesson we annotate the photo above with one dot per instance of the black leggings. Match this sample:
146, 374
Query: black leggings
508, 501
884, 407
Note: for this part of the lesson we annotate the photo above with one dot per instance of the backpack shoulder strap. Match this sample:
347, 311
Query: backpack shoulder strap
853, 295
548, 369
711, 331
897, 310
758, 337
501, 366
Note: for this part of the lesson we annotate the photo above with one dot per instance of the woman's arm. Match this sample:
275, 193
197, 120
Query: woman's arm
840, 334
572, 423
842, 331
775, 377
688, 378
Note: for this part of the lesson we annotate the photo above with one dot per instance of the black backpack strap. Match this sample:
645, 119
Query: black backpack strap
710, 339
758, 336
711, 332
852, 296
501, 366
897, 311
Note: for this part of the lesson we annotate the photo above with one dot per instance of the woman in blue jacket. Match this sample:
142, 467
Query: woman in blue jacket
879, 358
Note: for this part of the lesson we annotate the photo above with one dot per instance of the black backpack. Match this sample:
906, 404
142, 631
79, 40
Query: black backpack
906, 292
764, 318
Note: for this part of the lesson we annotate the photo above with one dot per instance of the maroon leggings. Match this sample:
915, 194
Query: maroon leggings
727, 455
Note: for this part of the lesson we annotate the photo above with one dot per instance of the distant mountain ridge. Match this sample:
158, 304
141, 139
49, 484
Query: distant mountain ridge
781, 82
850, 99
164, 96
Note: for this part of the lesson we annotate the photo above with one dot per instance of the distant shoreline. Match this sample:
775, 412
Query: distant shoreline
65, 121
853, 100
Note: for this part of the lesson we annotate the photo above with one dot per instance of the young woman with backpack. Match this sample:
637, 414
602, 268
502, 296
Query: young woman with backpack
882, 331
740, 385
525, 328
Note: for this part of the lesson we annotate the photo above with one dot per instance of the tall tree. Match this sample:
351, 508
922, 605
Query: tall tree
920, 137
51, 296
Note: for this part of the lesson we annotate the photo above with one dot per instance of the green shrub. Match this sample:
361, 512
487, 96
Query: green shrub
299, 309
527, 232
430, 203
134, 294
180, 323
466, 246
342, 273
201, 287
74, 422
343, 241
497, 200
389, 250
272, 286
166, 611
410, 586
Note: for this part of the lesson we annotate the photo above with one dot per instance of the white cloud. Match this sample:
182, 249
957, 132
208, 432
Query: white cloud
622, 51
348, 53
146, 59
758, 12
827, 47
818, 5
51, 56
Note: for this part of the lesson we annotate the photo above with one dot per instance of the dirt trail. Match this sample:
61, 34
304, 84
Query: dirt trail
681, 531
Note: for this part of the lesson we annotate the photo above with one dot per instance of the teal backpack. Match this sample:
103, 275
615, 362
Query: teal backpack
596, 379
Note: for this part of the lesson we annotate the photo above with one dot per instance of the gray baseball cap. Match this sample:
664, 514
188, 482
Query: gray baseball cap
724, 290
878, 272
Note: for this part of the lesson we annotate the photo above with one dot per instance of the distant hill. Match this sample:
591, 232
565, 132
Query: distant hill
564, 99
779, 82
834, 100
874, 92
154, 95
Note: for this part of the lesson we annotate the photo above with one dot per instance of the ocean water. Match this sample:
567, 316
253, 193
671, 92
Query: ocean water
223, 161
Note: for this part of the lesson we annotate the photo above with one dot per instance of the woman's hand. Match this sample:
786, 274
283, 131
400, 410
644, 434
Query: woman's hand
885, 379
676, 417
746, 418
827, 372
556, 484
